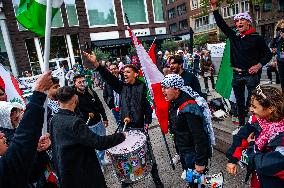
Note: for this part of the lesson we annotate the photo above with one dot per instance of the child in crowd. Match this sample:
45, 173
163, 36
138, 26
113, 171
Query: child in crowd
260, 143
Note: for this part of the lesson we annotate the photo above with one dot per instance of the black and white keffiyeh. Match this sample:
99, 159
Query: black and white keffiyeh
176, 81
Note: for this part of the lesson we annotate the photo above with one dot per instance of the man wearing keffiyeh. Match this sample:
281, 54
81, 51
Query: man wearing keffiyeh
190, 122
248, 54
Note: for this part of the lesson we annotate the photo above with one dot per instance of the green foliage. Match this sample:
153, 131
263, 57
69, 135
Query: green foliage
200, 39
169, 45
101, 55
205, 3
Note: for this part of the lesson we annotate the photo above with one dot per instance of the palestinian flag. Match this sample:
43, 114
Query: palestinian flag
11, 86
153, 78
225, 76
32, 14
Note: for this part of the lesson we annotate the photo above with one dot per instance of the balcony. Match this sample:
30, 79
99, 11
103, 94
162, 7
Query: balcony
205, 28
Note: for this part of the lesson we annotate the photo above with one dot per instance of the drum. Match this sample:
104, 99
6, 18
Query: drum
131, 159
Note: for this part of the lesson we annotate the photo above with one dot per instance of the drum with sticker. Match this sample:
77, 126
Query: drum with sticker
131, 159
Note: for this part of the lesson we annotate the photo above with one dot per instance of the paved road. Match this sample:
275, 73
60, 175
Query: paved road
171, 178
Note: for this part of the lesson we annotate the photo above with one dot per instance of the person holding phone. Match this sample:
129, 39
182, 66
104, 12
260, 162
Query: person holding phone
278, 44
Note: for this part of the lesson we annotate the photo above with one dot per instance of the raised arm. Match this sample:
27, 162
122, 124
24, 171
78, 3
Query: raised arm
220, 21
16, 164
86, 137
113, 81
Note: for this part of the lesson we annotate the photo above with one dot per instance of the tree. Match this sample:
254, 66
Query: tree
200, 39
169, 45
101, 55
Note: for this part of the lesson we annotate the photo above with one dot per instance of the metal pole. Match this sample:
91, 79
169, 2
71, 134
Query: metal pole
46, 53
47, 35
168, 150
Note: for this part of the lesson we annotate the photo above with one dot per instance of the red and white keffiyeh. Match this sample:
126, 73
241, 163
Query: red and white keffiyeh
269, 131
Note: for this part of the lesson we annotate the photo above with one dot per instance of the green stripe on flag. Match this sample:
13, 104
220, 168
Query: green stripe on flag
225, 76
32, 15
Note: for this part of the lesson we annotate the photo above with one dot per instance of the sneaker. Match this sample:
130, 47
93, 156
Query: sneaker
176, 159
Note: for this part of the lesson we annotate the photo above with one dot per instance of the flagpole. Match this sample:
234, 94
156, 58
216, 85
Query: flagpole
47, 53
47, 35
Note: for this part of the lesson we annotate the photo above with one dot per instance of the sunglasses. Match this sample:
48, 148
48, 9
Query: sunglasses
259, 92
280, 29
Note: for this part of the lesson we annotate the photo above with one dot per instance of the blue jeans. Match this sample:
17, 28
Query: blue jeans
116, 115
100, 130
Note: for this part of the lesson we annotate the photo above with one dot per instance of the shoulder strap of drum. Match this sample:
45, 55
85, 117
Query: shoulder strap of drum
186, 103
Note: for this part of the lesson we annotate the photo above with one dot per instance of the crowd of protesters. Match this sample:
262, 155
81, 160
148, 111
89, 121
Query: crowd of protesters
72, 152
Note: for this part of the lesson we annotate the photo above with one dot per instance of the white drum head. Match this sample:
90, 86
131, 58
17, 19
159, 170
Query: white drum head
133, 141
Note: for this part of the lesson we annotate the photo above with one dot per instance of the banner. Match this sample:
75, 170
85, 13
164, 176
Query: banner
216, 50
27, 83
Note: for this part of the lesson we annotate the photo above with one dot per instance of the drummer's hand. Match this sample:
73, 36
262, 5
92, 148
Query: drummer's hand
146, 126
199, 169
106, 123
125, 134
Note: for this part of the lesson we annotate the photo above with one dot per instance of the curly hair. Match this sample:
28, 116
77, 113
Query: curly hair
279, 23
270, 97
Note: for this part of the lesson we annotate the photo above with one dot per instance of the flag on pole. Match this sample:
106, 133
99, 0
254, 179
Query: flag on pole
225, 76
32, 14
152, 54
11, 86
153, 77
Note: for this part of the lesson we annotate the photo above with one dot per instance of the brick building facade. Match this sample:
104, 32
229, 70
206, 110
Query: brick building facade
100, 23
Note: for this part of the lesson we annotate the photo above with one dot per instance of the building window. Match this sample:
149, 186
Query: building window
267, 5
235, 9
226, 12
57, 20
171, 13
281, 5
158, 10
181, 9
16, 6
32, 54
71, 12
135, 10
100, 13
244, 6
194, 4
202, 21
173, 28
183, 25
170, 1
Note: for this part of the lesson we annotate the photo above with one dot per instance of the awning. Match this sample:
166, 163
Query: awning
127, 41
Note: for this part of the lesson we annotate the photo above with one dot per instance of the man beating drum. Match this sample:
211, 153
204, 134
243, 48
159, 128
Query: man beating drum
133, 104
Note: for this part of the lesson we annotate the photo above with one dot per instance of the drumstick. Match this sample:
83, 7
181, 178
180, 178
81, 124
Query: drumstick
91, 115
126, 121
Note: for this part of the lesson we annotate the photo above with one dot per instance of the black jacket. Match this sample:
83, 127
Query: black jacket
269, 163
16, 164
278, 43
245, 51
188, 129
89, 102
191, 80
133, 99
73, 147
